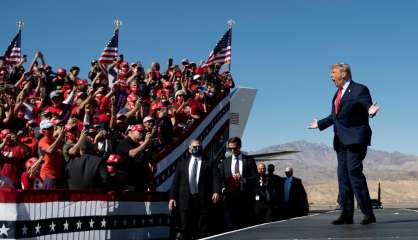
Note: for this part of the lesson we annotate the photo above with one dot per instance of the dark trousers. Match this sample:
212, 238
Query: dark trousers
263, 212
351, 180
194, 220
238, 210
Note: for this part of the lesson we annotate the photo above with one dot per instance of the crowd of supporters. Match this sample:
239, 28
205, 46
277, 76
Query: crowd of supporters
58, 130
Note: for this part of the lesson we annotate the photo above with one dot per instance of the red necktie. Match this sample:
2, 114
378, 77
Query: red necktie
338, 100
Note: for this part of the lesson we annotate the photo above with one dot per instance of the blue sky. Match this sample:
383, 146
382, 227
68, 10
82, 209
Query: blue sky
282, 48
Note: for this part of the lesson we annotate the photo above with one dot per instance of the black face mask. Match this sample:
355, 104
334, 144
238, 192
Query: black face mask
197, 151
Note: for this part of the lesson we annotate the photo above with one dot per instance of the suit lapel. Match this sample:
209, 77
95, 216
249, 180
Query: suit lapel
187, 163
203, 167
227, 170
243, 165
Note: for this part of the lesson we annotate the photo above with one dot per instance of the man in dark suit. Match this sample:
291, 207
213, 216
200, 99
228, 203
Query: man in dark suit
88, 171
351, 108
196, 185
295, 200
239, 176
278, 183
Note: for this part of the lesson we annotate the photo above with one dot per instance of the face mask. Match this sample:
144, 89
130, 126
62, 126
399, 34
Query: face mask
288, 174
197, 151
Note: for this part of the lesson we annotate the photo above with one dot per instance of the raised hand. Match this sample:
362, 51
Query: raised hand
373, 109
313, 124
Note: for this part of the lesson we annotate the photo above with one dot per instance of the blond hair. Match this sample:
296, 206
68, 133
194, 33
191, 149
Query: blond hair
343, 67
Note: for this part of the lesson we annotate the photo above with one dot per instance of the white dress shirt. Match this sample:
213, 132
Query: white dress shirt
234, 160
194, 188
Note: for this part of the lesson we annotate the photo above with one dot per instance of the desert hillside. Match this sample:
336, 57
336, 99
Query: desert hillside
316, 165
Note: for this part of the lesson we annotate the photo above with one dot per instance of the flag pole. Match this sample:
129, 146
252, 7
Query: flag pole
19, 25
230, 23
117, 23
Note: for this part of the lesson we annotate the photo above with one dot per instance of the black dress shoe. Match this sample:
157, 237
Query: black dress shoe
368, 220
341, 220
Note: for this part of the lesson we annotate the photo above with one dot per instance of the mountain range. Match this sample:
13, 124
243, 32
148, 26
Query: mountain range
316, 165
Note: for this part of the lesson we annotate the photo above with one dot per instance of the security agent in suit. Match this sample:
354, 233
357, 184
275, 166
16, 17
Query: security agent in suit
239, 176
277, 182
196, 185
295, 200
351, 108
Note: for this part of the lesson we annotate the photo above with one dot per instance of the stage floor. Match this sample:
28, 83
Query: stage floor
391, 224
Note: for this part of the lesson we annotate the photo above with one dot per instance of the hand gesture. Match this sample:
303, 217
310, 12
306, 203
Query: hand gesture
237, 176
61, 133
148, 137
215, 197
172, 204
373, 109
313, 124
113, 100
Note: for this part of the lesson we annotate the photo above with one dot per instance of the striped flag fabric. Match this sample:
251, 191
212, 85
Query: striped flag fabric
222, 52
110, 52
13, 52
78, 214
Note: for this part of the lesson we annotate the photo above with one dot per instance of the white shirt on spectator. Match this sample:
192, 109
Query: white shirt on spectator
234, 160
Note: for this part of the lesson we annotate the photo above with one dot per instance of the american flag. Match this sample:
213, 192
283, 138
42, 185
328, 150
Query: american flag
13, 54
110, 52
222, 52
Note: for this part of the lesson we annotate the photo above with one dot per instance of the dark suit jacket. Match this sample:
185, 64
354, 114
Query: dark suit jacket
248, 178
86, 172
298, 199
351, 123
209, 183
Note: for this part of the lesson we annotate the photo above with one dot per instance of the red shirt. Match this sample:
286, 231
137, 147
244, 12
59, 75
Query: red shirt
14, 157
53, 166
196, 106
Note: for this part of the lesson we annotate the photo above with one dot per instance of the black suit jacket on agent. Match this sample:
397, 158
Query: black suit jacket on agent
209, 183
351, 123
297, 196
86, 172
249, 174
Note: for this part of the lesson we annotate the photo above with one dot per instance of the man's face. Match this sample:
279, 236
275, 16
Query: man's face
149, 124
135, 135
337, 77
261, 169
270, 169
48, 132
234, 148
194, 145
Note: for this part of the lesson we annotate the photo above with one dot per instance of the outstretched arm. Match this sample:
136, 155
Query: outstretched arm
321, 124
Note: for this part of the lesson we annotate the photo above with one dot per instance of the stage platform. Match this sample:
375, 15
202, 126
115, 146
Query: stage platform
391, 224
